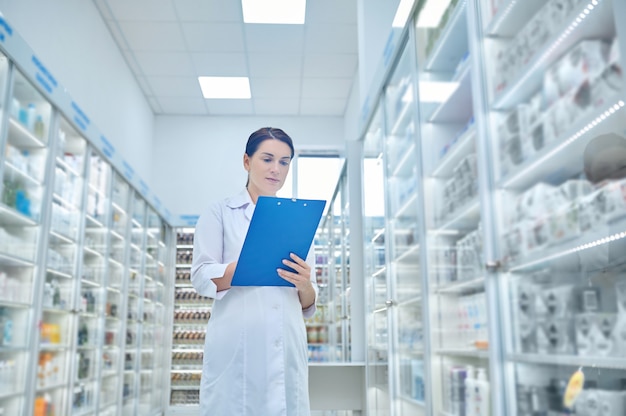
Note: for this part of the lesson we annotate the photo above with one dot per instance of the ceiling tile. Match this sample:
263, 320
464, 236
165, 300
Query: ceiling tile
175, 86
326, 87
220, 64
331, 11
208, 10
150, 36
276, 106
322, 107
168, 63
274, 65
274, 38
328, 38
145, 10
178, 105
275, 87
230, 107
214, 37
330, 65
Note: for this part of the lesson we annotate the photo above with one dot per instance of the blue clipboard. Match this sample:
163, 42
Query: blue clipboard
279, 226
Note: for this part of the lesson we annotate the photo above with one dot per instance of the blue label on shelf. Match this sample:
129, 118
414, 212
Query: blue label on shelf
84, 120
79, 123
6, 28
107, 148
129, 172
43, 76
157, 202
189, 219
143, 188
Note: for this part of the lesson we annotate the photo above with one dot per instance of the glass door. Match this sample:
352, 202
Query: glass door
114, 384
457, 301
68, 328
376, 284
132, 354
25, 159
557, 125
402, 228
152, 342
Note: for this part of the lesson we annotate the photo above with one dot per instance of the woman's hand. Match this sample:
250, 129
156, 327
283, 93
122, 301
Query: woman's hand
300, 278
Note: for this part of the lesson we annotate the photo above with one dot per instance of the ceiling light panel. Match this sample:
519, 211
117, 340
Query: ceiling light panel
289, 12
225, 87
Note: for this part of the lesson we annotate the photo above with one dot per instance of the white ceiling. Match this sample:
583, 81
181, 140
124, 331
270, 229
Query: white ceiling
294, 70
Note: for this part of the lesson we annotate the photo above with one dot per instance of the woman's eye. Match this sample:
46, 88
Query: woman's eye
284, 163
267, 160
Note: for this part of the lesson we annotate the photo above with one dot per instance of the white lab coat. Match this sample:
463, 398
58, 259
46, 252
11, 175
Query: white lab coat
255, 353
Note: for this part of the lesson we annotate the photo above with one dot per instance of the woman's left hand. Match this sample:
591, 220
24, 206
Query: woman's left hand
301, 278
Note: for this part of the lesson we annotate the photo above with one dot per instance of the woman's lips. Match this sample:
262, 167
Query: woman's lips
272, 180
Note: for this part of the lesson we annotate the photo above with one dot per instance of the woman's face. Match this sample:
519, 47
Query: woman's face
267, 167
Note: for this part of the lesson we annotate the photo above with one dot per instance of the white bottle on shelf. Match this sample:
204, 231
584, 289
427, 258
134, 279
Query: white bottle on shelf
31, 117
482, 399
470, 392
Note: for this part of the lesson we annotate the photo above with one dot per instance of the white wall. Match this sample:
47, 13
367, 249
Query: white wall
198, 160
375, 18
72, 41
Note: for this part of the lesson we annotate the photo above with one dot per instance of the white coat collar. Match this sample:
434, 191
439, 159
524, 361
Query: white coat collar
242, 200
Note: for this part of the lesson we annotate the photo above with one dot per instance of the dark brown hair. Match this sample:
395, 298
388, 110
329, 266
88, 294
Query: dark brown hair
266, 133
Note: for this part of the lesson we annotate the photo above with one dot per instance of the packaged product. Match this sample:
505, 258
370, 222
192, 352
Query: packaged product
581, 64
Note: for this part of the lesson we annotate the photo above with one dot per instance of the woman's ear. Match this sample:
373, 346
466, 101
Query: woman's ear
246, 162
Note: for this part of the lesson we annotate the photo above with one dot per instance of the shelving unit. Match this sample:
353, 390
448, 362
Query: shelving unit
328, 331
191, 314
70, 264
491, 224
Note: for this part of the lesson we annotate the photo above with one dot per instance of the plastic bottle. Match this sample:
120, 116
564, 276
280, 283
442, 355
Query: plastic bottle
482, 398
470, 392
56, 293
39, 127
30, 117
7, 330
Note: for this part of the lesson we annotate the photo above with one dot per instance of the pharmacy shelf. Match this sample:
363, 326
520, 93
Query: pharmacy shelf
458, 108
465, 218
512, 17
461, 287
463, 353
616, 363
452, 43
463, 146
583, 23
555, 161
566, 254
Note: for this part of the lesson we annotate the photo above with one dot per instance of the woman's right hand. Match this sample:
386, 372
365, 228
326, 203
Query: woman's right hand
223, 282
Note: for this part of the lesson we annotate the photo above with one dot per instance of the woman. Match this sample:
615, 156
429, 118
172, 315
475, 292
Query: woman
255, 353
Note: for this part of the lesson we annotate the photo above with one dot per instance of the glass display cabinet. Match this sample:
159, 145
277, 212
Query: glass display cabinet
553, 74
70, 267
453, 235
376, 284
328, 331
401, 234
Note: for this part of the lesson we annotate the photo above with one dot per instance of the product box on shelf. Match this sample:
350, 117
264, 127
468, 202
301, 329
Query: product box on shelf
581, 64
